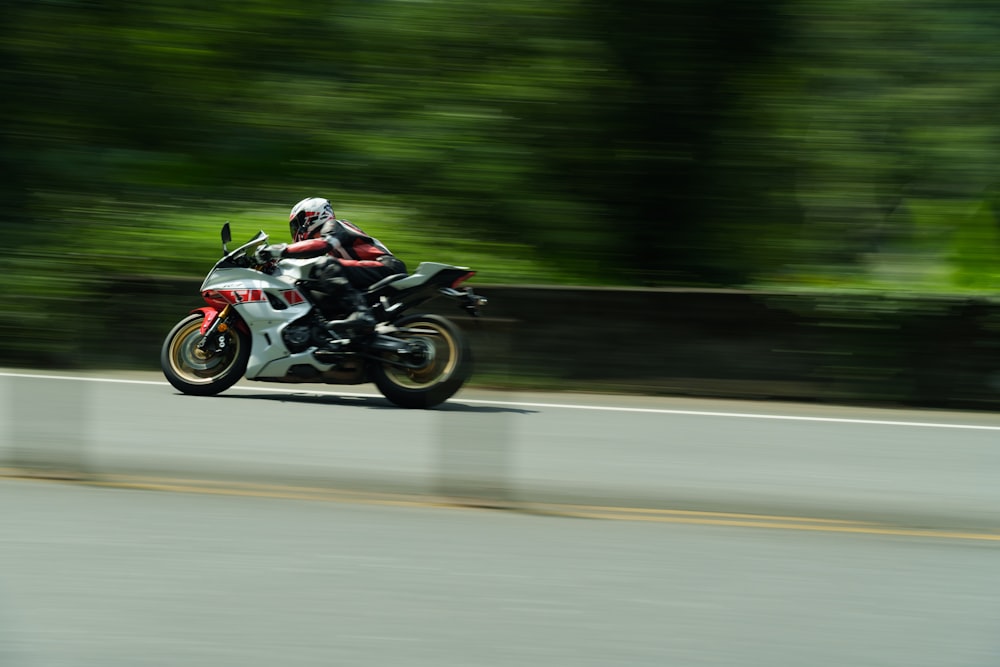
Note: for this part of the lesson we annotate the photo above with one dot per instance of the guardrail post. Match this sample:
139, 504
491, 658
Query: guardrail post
475, 448
48, 428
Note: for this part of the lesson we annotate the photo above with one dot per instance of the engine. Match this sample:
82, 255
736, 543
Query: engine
297, 337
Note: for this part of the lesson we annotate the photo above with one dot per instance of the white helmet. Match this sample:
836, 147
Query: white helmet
308, 216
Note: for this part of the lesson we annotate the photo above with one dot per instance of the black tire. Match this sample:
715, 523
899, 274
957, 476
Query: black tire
447, 369
191, 371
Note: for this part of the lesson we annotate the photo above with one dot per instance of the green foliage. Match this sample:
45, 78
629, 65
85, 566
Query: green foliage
179, 242
696, 142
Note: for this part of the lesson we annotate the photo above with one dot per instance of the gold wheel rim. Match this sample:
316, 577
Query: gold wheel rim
192, 364
444, 358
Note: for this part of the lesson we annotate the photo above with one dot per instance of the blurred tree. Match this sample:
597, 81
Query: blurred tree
683, 142
892, 121
669, 177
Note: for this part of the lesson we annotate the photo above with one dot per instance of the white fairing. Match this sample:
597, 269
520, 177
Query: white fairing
253, 295
269, 303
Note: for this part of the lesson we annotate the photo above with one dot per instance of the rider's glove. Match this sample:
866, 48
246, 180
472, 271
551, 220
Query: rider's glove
267, 253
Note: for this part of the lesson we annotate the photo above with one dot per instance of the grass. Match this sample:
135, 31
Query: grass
118, 238
179, 242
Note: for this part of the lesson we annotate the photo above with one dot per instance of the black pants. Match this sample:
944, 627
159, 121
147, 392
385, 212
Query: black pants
340, 286
363, 277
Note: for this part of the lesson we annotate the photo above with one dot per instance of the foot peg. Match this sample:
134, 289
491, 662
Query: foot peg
357, 324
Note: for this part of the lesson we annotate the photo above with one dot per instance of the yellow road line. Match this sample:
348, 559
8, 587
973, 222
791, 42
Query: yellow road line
845, 527
711, 515
646, 514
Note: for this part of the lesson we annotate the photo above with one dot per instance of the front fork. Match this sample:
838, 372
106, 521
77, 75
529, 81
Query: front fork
213, 330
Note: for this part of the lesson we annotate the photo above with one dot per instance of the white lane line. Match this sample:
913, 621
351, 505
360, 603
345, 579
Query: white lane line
558, 406
164, 383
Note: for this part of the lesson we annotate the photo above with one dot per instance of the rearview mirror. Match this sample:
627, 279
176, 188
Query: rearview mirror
227, 236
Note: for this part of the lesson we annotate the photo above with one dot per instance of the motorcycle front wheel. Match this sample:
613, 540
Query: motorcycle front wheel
193, 370
445, 364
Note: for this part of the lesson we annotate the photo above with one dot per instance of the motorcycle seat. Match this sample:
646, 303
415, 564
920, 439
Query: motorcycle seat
385, 281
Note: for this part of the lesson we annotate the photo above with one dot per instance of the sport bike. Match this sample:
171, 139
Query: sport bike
265, 322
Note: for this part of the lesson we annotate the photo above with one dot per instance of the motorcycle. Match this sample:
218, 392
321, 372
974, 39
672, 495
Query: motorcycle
265, 322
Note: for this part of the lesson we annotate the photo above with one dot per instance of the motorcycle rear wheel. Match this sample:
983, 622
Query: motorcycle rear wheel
193, 371
448, 364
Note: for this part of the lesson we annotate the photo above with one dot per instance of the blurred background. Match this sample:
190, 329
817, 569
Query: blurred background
807, 147
780, 199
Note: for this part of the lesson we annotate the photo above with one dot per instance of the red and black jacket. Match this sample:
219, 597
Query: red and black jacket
344, 241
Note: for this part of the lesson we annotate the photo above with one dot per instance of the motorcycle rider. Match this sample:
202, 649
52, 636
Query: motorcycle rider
354, 261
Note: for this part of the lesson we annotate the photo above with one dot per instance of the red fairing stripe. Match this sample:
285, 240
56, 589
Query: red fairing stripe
292, 297
214, 299
234, 296
237, 297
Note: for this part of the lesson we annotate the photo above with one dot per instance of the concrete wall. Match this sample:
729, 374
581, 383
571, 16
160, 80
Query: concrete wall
925, 351
942, 351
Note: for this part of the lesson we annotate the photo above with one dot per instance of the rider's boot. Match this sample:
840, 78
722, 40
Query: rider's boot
359, 323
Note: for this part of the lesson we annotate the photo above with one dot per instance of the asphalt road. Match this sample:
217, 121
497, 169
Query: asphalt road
111, 577
299, 526
901, 467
